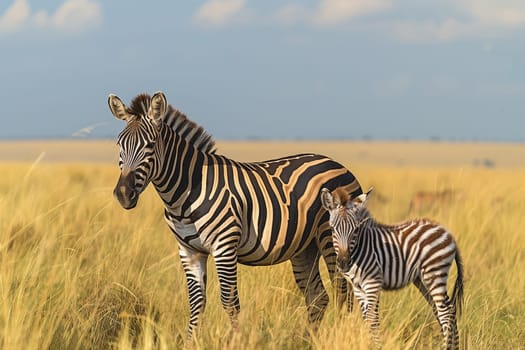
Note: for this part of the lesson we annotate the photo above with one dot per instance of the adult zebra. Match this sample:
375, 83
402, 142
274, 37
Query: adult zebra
260, 213
374, 256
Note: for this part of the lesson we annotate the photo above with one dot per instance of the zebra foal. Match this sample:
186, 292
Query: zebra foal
373, 256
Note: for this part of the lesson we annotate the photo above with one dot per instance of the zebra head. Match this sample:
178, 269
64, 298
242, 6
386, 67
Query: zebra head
137, 143
346, 215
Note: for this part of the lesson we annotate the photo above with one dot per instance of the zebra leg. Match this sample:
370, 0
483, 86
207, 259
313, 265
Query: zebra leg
194, 264
306, 272
226, 264
343, 292
445, 312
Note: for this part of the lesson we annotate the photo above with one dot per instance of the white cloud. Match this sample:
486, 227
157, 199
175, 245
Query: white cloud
337, 11
218, 12
462, 20
497, 13
474, 19
423, 31
404, 20
73, 16
330, 12
15, 16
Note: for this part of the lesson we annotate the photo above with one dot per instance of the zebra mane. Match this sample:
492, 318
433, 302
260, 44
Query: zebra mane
176, 120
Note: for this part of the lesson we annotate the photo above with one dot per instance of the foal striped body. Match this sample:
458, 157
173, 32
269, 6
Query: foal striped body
259, 213
374, 257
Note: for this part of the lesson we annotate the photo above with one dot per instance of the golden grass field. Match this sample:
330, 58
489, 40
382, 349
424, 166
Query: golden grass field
79, 272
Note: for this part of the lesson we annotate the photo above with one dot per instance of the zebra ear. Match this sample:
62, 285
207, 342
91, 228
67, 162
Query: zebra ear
327, 199
117, 107
157, 107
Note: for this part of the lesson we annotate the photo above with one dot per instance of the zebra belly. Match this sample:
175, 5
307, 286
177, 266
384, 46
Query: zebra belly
252, 252
255, 253
270, 259
276, 241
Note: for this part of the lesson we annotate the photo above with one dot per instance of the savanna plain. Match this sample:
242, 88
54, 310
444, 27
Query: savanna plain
79, 272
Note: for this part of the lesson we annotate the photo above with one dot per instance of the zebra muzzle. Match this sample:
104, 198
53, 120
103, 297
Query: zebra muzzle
125, 191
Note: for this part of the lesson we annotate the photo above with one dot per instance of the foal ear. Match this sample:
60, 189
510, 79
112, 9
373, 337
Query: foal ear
362, 199
117, 107
157, 107
327, 199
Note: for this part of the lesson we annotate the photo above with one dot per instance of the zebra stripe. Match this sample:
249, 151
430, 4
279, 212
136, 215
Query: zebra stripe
259, 213
374, 257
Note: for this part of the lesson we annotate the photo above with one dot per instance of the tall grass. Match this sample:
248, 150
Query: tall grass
77, 271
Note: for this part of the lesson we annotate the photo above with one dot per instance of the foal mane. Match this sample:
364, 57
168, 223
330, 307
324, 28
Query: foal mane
342, 196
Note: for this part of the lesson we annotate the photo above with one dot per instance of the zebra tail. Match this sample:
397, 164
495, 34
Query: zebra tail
457, 294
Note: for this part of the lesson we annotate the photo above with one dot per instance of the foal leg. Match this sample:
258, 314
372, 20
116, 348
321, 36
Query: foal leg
426, 294
368, 296
372, 315
444, 311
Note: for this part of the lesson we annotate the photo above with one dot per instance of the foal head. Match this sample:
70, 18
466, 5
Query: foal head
346, 216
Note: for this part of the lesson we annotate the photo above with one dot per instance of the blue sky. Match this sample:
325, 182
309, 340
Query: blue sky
313, 69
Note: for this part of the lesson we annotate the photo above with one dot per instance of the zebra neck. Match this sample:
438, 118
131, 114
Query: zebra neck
178, 169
